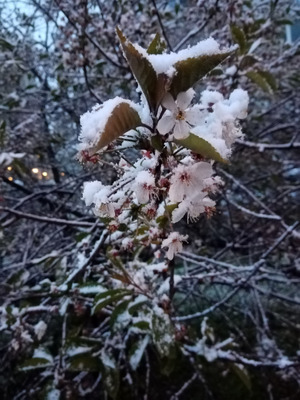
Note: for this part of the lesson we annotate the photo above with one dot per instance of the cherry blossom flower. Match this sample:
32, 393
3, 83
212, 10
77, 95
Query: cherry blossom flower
144, 186
179, 117
187, 181
193, 207
174, 244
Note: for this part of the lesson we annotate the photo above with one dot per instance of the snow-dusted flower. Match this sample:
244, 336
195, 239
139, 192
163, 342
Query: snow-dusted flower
40, 329
193, 207
174, 244
186, 181
179, 117
104, 207
144, 186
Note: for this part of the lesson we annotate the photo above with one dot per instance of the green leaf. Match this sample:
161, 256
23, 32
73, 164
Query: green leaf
157, 46
243, 374
41, 359
122, 119
34, 363
201, 146
239, 37
247, 61
136, 352
119, 310
263, 79
84, 362
269, 79
104, 299
143, 325
157, 142
191, 70
152, 85
135, 307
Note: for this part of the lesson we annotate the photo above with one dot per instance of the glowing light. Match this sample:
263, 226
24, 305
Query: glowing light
35, 170
62, 174
45, 173
10, 178
9, 168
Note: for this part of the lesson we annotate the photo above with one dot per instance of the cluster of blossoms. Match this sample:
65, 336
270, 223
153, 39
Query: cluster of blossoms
178, 139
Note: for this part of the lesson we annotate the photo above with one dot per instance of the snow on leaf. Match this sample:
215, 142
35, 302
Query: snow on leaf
137, 352
107, 122
191, 70
152, 84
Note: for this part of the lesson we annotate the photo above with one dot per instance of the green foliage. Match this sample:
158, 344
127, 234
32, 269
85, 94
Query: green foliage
263, 79
190, 71
200, 146
157, 46
240, 38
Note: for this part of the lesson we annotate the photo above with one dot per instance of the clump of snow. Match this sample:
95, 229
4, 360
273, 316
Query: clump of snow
164, 63
89, 191
93, 122
40, 329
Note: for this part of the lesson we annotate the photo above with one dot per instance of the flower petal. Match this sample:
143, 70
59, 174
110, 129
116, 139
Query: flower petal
194, 116
166, 124
169, 103
181, 130
184, 99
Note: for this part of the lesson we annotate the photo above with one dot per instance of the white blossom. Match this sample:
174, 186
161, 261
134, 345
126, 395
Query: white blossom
186, 181
144, 186
174, 244
179, 117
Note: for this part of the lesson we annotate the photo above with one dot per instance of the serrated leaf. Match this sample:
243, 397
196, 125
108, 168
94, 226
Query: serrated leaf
122, 119
152, 85
201, 146
157, 46
191, 70
239, 37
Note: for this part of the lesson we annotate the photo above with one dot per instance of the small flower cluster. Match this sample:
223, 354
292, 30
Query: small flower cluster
178, 143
